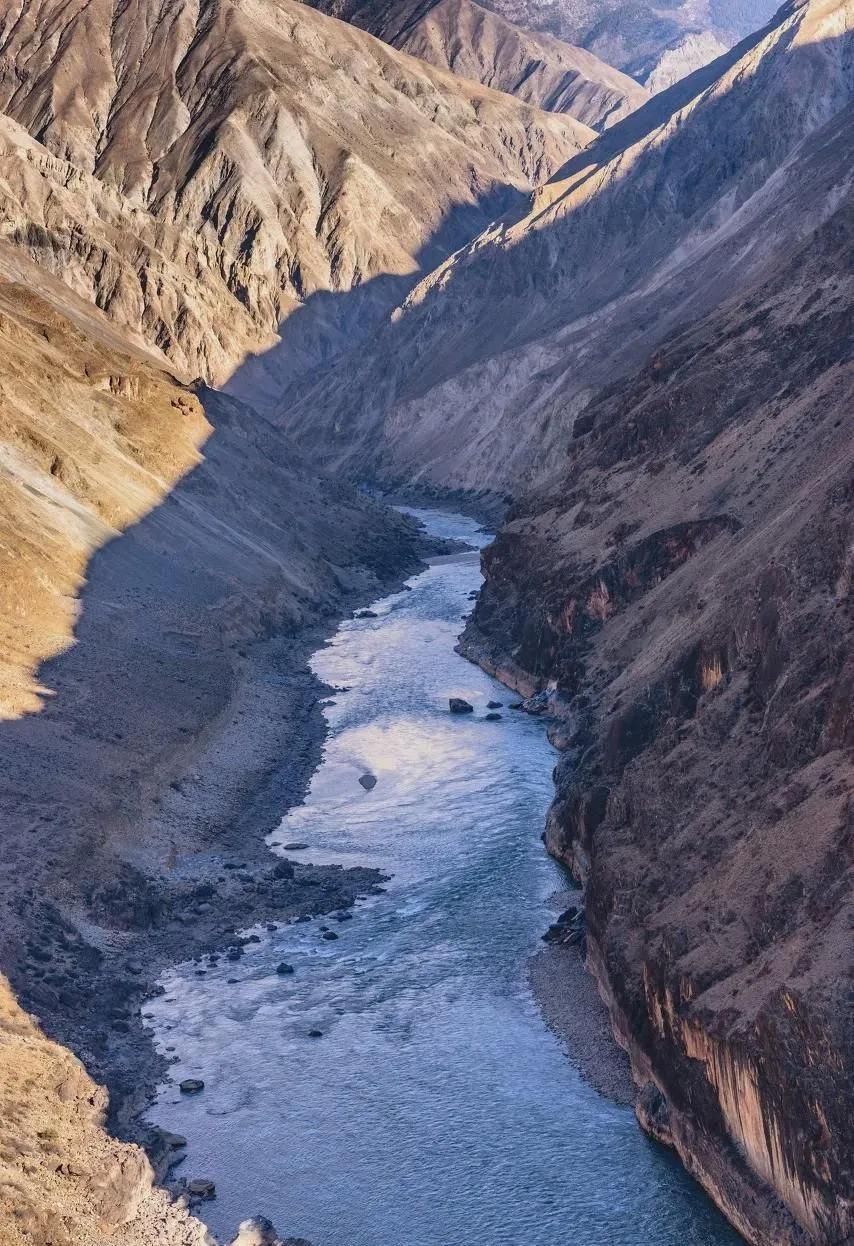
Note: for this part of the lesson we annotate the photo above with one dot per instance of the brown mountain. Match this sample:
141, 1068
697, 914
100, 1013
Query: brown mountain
203, 171
478, 44
492, 357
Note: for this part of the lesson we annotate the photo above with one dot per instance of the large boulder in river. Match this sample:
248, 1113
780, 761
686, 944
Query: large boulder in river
259, 1231
368, 782
459, 706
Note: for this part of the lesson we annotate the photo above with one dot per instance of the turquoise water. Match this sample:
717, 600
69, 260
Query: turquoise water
436, 1109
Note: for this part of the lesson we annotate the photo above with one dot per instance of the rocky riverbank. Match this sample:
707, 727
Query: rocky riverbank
146, 755
680, 595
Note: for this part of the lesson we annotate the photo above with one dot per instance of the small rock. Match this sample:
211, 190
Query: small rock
366, 614
200, 1187
294, 847
191, 1085
173, 1141
329, 934
315, 1033
492, 718
459, 706
368, 782
494, 705
515, 705
282, 869
283, 968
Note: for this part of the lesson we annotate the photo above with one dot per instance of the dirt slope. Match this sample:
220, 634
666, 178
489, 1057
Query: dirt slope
167, 563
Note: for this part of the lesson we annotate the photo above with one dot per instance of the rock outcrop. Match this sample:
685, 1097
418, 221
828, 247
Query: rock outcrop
683, 587
475, 43
210, 173
63, 1180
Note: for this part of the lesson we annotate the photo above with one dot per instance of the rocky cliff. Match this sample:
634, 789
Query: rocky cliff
681, 591
476, 43
207, 174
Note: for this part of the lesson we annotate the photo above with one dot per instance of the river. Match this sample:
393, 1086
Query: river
436, 1109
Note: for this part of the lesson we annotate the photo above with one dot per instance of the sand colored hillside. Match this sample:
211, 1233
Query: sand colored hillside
63, 1180
217, 167
91, 439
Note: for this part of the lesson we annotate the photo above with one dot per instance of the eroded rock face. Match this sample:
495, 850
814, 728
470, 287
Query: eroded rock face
476, 43
219, 166
684, 583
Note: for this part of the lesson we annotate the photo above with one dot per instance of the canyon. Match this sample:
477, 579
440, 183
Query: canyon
588, 272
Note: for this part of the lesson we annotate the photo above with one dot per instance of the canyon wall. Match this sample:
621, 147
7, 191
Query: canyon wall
681, 588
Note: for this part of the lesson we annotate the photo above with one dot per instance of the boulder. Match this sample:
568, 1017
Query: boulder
458, 706
284, 969
494, 705
259, 1231
368, 782
191, 1085
200, 1187
491, 718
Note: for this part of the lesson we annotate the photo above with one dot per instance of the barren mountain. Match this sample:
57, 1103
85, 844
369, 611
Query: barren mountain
494, 355
642, 39
476, 43
684, 586
201, 172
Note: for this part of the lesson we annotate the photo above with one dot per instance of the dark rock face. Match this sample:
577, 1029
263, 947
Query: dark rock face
458, 706
686, 587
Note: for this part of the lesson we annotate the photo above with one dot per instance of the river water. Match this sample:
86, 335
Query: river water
436, 1109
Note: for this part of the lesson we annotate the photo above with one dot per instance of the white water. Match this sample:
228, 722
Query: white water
437, 1108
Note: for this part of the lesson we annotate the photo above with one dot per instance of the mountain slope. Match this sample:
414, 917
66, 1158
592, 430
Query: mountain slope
496, 353
641, 39
683, 585
475, 43
201, 171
